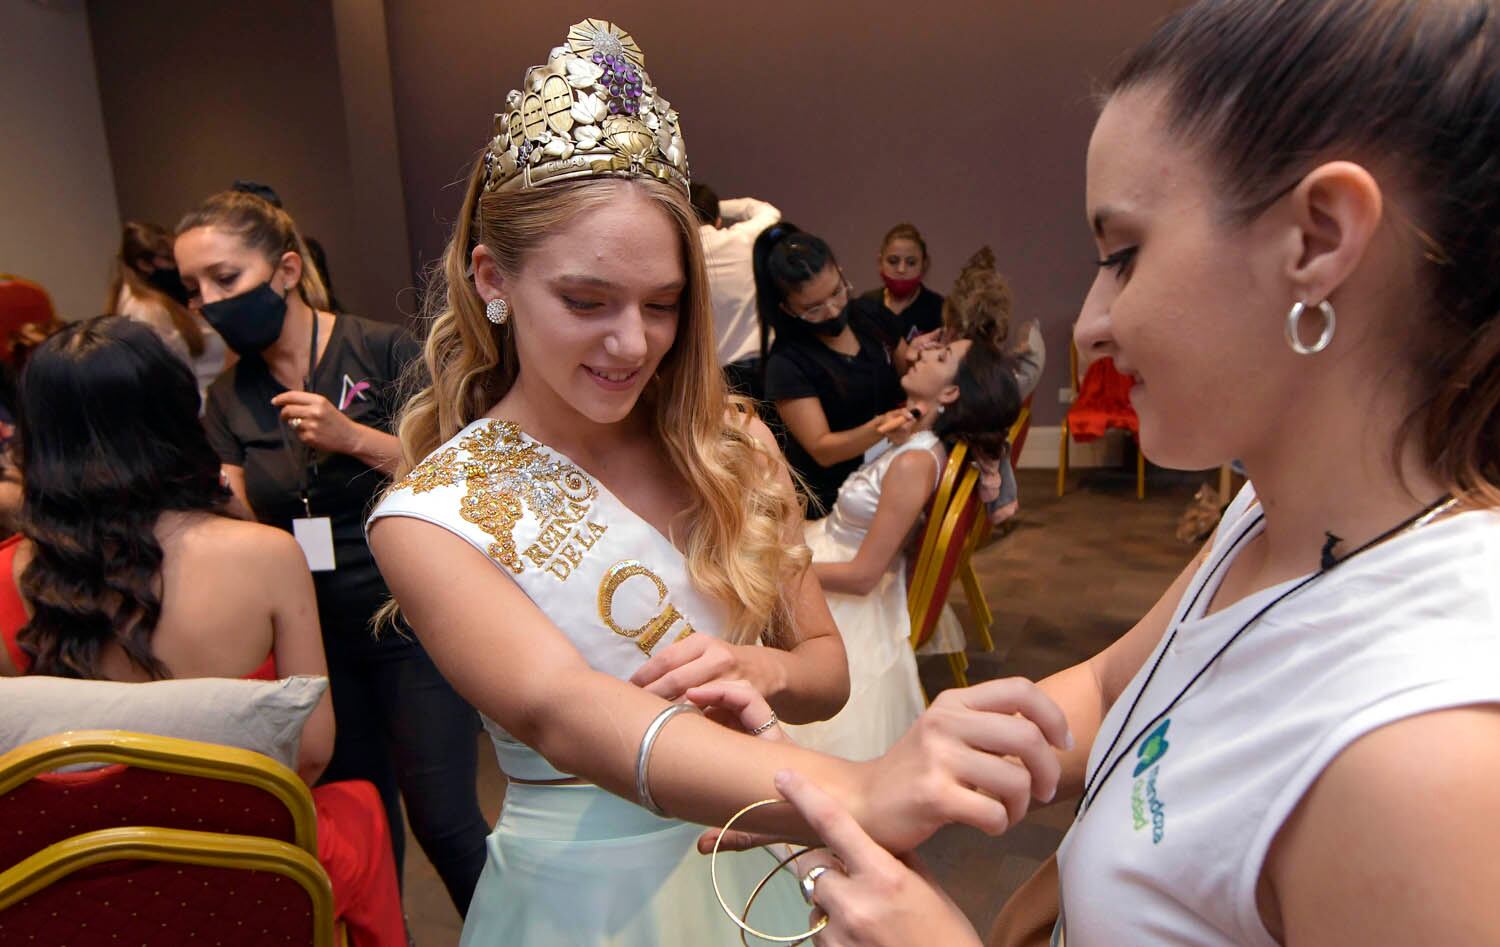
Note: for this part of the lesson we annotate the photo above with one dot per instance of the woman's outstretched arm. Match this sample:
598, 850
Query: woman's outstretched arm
975, 760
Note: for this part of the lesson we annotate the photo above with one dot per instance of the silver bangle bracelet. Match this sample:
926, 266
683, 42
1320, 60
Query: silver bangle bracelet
643, 757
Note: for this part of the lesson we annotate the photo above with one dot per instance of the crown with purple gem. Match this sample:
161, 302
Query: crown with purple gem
591, 111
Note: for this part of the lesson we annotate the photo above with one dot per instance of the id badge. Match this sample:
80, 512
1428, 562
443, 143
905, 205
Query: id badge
315, 535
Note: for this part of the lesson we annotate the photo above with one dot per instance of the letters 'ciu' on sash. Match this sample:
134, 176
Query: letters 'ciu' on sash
614, 585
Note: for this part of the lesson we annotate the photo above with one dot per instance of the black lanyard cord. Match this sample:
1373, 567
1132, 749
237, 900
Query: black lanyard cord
309, 462
1101, 775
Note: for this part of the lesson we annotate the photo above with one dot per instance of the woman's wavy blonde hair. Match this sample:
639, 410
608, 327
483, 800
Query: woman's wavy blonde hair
740, 504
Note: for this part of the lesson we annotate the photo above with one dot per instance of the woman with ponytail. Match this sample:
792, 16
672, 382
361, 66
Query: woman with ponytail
829, 372
1296, 208
302, 423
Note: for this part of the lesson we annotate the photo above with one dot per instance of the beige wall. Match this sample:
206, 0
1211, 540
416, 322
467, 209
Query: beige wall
969, 119
198, 94
61, 225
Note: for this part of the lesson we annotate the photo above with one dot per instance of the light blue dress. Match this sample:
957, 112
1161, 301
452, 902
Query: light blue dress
576, 865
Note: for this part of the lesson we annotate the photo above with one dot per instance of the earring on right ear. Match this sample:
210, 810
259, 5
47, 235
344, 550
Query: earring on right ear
497, 311
1294, 327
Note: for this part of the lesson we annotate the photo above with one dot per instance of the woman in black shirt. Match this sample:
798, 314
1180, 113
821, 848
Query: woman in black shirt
302, 425
903, 307
828, 373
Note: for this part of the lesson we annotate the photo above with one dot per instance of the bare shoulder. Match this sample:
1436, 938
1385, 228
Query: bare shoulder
1395, 841
910, 468
222, 541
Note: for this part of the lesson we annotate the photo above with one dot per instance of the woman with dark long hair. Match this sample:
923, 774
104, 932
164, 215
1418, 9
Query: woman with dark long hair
124, 571
1296, 207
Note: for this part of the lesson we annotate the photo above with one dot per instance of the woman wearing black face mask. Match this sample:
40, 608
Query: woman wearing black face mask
147, 288
302, 424
828, 374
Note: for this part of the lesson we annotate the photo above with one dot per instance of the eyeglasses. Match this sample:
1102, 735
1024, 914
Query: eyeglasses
828, 308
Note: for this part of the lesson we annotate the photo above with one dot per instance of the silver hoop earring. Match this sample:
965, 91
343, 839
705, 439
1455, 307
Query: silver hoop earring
1294, 328
497, 311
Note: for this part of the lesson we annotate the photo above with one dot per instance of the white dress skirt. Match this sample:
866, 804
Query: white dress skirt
885, 696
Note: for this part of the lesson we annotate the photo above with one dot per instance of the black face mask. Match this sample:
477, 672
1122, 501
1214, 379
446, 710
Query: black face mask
830, 326
165, 280
249, 322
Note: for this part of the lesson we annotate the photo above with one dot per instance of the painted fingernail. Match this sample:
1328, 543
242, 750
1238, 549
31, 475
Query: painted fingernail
1068, 740
783, 779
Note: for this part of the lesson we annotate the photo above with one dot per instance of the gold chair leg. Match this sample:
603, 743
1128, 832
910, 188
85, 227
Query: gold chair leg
979, 607
1062, 460
959, 664
1140, 471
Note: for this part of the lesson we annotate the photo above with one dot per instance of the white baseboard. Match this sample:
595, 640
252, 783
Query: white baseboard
1040, 450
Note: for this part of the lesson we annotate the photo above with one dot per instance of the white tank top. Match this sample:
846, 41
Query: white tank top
1171, 850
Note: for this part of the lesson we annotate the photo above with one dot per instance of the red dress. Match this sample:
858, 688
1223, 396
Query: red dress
354, 843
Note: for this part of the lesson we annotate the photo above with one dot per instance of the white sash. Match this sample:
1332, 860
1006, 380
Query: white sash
617, 588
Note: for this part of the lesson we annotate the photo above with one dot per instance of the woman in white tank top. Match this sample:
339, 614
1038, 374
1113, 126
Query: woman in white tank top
1297, 211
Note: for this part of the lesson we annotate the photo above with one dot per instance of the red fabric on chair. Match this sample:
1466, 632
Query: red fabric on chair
354, 843
1018, 436
1103, 402
148, 902
55, 806
926, 612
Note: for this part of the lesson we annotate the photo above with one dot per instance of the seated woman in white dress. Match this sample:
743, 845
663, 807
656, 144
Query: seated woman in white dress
586, 527
961, 391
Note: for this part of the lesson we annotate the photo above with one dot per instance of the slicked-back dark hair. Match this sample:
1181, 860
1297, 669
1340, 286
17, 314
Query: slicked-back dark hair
785, 258
1269, 89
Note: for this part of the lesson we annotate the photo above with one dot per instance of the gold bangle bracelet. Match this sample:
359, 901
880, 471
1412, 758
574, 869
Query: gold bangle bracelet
713, 872
755, 893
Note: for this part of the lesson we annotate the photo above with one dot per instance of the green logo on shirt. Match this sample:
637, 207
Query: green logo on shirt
1146, 807
1153, 748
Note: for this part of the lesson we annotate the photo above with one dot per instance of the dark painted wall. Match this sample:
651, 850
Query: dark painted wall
197, 94
969, 119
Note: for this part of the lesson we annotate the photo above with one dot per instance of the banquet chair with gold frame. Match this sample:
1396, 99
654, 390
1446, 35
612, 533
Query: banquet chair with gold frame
1068, 433
946, 545
170, 841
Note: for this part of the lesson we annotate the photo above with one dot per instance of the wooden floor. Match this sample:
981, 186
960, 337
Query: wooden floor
1070, 577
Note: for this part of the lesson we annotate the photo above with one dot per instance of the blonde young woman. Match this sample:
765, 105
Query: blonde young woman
587, 529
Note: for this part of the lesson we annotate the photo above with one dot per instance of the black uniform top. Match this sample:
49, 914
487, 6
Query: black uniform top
925, 314
358, 373
852, 389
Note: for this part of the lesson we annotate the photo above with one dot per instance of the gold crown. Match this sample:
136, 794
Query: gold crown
591, 111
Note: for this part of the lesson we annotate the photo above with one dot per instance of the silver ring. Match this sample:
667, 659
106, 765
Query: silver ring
765, 726
810, 881
295, 423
